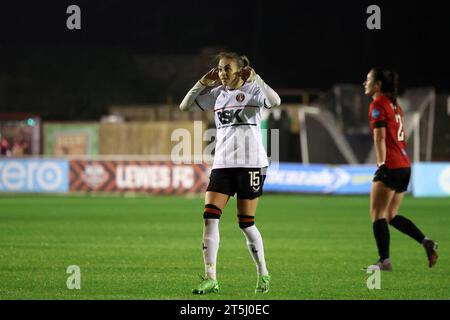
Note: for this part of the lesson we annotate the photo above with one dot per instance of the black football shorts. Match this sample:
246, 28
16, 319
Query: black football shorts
397, 179
247, 183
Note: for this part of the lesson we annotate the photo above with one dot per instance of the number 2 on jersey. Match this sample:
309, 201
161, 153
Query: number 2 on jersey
400, 132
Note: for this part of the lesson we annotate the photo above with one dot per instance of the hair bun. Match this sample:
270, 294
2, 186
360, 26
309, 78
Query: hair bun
246, 61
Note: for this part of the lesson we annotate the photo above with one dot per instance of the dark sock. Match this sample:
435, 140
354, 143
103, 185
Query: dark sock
407, 227
381, 233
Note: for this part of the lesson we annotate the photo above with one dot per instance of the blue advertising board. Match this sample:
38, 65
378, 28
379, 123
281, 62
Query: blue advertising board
319, 178
431, 179
34, 175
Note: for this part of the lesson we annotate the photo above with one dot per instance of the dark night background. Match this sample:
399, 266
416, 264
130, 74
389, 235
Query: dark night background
141, 52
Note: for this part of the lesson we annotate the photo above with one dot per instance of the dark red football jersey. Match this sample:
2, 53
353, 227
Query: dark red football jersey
383, 113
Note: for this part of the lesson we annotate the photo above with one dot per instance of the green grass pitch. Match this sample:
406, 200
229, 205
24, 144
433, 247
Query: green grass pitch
150, 248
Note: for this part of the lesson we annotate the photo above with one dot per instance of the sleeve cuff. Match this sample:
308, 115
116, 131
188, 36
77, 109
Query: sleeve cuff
379, 124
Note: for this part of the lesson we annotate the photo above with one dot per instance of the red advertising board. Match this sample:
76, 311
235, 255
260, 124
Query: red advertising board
154, 177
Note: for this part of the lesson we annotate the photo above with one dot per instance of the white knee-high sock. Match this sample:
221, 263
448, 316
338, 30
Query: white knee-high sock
256, 248
211, 241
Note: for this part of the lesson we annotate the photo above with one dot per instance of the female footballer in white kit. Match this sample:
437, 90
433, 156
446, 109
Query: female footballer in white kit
236, 94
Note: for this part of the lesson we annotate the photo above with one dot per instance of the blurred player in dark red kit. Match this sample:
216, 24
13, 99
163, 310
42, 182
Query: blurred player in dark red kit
394, 167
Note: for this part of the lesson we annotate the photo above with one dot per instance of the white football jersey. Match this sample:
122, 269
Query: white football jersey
237, 117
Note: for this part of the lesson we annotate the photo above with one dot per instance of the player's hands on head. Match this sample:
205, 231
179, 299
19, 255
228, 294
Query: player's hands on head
211, 78
248, 74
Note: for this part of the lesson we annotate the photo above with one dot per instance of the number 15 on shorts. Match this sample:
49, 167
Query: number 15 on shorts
255, 179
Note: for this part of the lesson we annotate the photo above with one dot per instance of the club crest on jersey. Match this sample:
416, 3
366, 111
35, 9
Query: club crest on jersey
375, 113
240, 97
